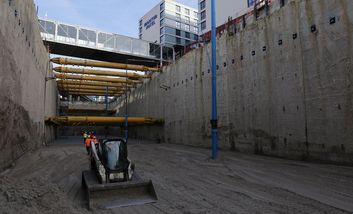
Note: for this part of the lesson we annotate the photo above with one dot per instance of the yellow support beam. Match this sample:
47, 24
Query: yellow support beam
96, 78
79, 120
94, 94
93, 83
62, 69
80, 62
71, 91
103, 88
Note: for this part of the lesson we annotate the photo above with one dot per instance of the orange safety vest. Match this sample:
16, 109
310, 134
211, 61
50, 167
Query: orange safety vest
88, 142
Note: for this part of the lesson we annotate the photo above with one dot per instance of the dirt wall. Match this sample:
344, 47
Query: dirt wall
24, 64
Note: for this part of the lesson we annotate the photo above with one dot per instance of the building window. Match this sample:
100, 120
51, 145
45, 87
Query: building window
178, 41
187, 11
177, 32
203, 25
177, 24
162, 39
162, 14
141, 23
187, 27
140, 36
162, 31
161, 6
162, 22
251, 3
169, 30
203, 4
196, 37
195, 14
140, 30
178, 16
187, 35
196, 29
203, 15
187, 19
187, 42
177, 8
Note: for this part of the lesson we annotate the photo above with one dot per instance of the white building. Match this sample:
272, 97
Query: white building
170, 23
224, 9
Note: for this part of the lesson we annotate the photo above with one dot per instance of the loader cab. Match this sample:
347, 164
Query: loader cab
114, 154
114, 157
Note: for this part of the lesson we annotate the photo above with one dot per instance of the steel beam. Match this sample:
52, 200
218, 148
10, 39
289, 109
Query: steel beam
88, 87
70, 91
92, 63
93, 83
67, 120
62, 69
96, 78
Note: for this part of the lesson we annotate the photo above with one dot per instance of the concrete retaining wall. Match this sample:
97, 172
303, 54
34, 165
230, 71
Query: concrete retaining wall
24, 64
284, 87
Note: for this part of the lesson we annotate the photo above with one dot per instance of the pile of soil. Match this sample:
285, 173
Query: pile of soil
34, 196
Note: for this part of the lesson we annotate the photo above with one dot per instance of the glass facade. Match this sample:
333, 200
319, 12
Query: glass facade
180, 24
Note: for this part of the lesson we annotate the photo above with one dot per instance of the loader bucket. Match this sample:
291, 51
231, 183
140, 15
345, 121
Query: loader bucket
120, 194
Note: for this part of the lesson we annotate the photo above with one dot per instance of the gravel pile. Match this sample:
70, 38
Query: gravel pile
34, 196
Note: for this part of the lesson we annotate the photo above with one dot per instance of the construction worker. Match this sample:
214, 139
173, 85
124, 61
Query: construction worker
88, 143
95, 141
85, 135
91, 138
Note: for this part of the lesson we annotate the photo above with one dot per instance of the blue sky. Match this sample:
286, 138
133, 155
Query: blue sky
116, 16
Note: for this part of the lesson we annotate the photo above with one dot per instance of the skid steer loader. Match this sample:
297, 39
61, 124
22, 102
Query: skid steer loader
112, 181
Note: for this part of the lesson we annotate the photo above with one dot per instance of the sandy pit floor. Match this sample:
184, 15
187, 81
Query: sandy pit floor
186, 181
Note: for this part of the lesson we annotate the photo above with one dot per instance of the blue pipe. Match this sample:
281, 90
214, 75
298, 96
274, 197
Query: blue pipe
106, 100
126, 127
214, 83
126, 132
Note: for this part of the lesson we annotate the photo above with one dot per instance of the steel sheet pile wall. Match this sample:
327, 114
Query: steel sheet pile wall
284, 87
24, 63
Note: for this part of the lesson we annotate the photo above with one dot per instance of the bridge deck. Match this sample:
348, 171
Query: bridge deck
76, 41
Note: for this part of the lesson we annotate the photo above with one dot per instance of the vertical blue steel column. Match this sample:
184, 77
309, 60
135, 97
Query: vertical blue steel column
106, 101
126, 108
214, 83
106, 110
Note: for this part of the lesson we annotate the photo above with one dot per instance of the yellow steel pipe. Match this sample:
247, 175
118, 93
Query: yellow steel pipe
94, 94
67, 61
62, 69
93, 83
96, 78
91, 91
64, 120
65, 87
